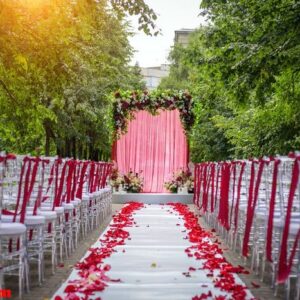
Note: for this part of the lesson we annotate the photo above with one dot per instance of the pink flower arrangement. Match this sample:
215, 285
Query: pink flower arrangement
131, 182
180, 179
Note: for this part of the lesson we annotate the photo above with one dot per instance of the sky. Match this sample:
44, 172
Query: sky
172, 15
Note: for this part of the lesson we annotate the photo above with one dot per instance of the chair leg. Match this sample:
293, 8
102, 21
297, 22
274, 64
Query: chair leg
26, 274
21, 276
61, 243
287, 288
263, 268
1, 279
40, 269
53, 254
298, 287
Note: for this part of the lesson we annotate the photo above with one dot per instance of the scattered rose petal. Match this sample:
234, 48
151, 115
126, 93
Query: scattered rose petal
91, 271
211, 254
255, 285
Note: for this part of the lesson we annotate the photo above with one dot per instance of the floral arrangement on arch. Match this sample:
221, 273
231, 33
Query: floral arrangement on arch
180, 179
126, 103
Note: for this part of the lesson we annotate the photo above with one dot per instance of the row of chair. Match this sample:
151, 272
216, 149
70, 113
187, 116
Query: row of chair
46, 206
255, 206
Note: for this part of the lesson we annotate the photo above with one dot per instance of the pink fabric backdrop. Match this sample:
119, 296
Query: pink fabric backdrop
156, 145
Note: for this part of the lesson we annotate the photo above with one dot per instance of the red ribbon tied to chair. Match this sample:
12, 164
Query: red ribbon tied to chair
285, 264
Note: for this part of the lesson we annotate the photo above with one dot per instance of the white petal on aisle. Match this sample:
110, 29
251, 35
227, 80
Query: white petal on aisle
152, 263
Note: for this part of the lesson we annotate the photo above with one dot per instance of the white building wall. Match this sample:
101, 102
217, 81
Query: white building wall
153, 75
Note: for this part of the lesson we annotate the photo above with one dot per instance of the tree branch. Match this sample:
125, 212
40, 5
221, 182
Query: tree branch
8, 92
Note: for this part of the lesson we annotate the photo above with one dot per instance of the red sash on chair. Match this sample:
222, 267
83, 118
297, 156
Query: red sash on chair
233, 168
196, 175
285, 264
204, 197
252, 200
38, 200
271, 211
223, 216
60, 182
82, 179
91, 176
212, 191
238, 196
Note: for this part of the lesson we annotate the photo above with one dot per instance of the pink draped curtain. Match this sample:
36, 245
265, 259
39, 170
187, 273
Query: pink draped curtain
155, 145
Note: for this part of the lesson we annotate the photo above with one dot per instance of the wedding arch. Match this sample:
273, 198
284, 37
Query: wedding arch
150, 134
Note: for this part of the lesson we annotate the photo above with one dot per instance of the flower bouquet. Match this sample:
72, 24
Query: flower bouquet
182, 181
171, 186
116, 180
133, 182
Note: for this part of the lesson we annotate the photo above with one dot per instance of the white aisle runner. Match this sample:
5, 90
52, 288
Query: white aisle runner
153, 263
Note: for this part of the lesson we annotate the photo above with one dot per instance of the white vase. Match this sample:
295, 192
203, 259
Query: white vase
121, 190
183, 190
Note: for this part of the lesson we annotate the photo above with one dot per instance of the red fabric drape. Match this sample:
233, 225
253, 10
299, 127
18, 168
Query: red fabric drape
155, 145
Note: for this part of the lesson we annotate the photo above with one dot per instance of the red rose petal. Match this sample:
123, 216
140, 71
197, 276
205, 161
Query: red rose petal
255, 285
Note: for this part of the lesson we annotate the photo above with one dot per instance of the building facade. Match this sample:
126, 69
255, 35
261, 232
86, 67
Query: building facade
182, 36
153, 75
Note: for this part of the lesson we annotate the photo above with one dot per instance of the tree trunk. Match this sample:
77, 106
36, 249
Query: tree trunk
67, 148
74, 152
48, 136
91, 151
47, 143
80, 150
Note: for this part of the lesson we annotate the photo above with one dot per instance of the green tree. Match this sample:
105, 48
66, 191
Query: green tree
178, 77
243, 71
59, 61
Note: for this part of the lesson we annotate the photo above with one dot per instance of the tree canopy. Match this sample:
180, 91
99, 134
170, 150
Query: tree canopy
243, 70
58, 62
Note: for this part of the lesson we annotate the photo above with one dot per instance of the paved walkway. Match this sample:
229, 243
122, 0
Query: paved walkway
46, 291
153, 263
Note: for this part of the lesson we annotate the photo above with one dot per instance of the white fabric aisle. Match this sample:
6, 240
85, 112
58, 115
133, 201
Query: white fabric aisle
152, 263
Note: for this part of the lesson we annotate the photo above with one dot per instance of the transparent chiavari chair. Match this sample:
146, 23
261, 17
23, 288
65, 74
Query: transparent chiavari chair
286, 175
85, 220
242, 210
108, 202
61, 240
13, 251
76, 221
34, 224
13, 254
232, 204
